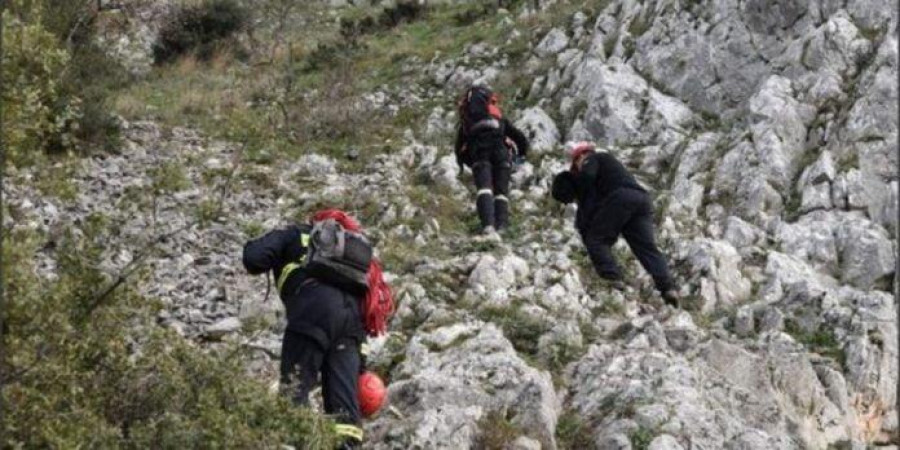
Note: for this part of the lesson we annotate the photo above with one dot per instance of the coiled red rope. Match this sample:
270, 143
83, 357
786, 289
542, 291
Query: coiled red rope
378, 304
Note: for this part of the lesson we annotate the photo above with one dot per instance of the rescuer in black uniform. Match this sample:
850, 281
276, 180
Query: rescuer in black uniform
325, 326
612, 203
489, 144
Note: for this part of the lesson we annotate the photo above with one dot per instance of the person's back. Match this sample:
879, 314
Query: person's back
607, 174
488, 143
329, 312
596, 176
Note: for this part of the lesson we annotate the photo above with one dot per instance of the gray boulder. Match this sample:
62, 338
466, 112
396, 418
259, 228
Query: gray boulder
540, 129
717, 267
554, 42
452, 378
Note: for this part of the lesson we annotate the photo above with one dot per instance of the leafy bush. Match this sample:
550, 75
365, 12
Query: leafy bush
57, 81
199, 29
572, 432
497, 431
90, 77
387, 18
34, 111
641, 438
89, 370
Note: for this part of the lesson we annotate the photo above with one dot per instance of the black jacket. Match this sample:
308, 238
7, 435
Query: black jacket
601, 174
274, 251
488, 139
315, 309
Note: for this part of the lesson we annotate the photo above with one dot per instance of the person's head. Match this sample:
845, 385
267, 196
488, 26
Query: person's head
578, 151
481, 89
484, 86
563, 188
346, 220
464, 97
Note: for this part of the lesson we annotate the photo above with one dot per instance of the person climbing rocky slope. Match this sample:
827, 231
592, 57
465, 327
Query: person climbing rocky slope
767, 133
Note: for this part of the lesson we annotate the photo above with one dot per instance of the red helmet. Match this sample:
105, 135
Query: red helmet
372, 393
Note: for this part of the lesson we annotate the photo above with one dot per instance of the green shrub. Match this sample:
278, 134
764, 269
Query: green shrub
820, 340
91, 75
641, 438
56, 81
497, 431
390, 17
34, 111
86, 370
198, 29
572, 432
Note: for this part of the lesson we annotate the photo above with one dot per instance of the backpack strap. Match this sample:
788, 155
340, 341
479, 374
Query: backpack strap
294, 265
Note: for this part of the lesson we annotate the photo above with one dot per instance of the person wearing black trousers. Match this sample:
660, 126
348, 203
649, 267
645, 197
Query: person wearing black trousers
324, 329
611, 203
489, 145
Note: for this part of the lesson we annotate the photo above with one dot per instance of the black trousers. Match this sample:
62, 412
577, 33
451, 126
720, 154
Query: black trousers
302, 360
491, 171
323, 339
629, 213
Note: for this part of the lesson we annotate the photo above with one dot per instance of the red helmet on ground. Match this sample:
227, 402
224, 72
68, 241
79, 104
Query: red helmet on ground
372, 393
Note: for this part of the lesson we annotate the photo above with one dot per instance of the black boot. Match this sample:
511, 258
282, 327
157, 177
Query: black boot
501, 212
349, 444
485, 206
671, 298
613, 281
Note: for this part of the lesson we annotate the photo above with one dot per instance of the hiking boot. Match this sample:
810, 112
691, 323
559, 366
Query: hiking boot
349, 445
647, 308
490, 234
671, 298
614, 283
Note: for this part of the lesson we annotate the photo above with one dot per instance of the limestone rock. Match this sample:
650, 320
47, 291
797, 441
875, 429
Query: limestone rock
554, 42
445, 386
540, 129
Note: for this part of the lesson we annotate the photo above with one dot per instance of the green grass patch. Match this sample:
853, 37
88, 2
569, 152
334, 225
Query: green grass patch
572, 432
641, 438
522, 329
497, 431
821, 340
169, 177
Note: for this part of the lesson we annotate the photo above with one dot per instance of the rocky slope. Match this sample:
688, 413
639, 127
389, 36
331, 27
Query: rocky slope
767, 131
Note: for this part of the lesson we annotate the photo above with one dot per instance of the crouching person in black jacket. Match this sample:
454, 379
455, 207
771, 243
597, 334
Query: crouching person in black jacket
334, 294
612, 203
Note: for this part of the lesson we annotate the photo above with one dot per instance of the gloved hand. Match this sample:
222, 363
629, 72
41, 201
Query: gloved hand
519, 160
